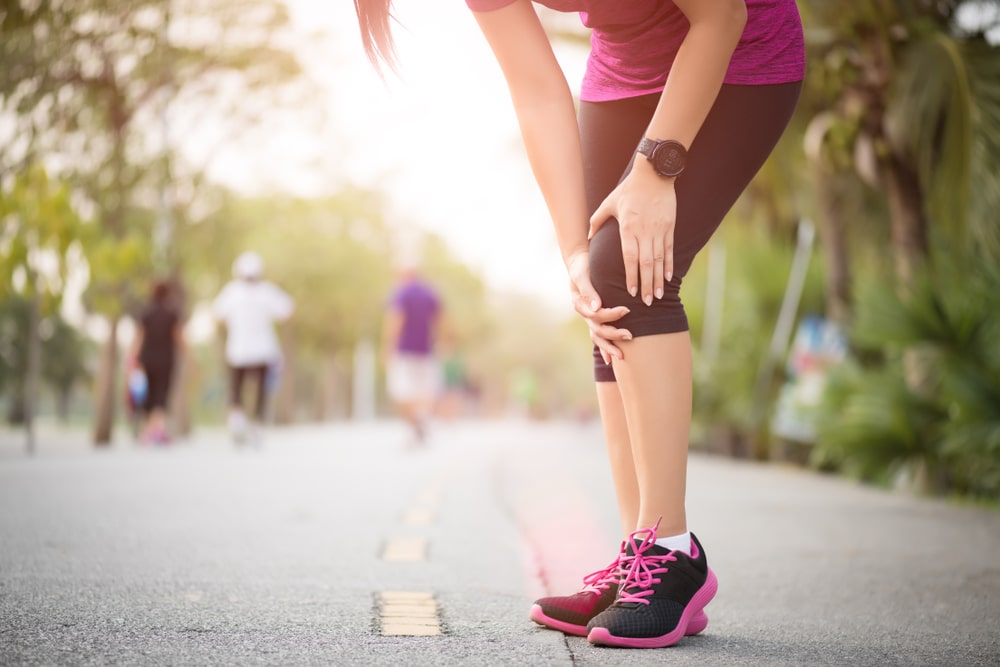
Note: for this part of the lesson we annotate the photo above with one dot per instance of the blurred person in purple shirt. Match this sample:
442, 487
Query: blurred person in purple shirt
413, 374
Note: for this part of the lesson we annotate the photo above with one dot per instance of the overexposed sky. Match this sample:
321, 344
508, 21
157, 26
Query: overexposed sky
440, 139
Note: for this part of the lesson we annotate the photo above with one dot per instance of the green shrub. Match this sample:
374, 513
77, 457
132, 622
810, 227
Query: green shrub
928, 397
756, 274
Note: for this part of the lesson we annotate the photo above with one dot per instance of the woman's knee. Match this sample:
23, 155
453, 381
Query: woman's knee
607, 269
607, 274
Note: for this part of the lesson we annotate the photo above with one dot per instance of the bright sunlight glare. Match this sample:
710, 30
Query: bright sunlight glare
440, 139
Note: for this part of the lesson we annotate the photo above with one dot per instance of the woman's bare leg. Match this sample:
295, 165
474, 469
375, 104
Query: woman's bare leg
654, 380
619, 454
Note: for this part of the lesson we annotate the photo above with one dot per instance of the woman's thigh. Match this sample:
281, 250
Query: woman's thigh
736, 138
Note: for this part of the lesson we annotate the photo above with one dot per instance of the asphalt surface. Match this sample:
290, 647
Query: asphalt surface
207, 554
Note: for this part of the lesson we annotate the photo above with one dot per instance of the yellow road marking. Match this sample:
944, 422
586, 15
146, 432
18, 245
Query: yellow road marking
405, 549
418, 517
408, 614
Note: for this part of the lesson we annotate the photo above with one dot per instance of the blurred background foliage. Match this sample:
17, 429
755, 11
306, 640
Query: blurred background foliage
893, 154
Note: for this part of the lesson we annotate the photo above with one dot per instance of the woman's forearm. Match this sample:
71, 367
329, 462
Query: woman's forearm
544, 107
552, 141
698, 69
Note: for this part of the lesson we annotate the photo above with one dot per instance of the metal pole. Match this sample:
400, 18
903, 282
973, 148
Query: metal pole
715, 290
363, 400
783, 328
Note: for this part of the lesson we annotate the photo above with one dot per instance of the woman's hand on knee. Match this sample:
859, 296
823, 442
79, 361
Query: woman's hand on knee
604, 335
645, 206
587, 304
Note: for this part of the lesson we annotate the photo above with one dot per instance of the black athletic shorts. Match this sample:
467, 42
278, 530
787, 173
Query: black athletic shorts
739, 133
159, 379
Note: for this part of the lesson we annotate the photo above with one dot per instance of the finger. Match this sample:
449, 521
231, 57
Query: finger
646, 262
659, 265
605, 315
604, 356
587, 295
609, 351
668, 257
589, 307
599, 217
582, 306
630, 256
610, 333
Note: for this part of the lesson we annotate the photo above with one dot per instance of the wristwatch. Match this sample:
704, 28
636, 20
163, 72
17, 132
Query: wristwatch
668, 157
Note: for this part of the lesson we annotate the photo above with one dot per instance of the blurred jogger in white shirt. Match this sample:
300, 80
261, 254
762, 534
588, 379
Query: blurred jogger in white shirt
249, 307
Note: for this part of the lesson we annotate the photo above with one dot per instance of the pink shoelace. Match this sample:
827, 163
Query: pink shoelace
642, 570
600, 581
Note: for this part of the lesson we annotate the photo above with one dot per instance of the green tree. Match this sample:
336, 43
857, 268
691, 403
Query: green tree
907, 100
64, 353
910, 102
86, 81
875, 425
38, 226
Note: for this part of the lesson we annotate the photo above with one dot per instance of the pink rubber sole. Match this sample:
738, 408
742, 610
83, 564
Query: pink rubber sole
688, 622
697, 624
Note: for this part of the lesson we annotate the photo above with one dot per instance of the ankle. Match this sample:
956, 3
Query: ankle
680, 542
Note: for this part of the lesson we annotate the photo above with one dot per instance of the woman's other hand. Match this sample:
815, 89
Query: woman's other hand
645, 205
587, 304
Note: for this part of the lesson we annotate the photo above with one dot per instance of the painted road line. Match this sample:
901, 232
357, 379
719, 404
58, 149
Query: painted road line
418, 517
405, 549
408, 614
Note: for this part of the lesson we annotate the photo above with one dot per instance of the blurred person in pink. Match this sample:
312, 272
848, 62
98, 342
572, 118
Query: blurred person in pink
249, 307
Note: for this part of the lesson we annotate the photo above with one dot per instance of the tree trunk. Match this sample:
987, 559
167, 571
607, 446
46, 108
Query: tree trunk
911, 250
34, 370
185, 372
179, 406
107, 374
284, 408
327, 391
64, 397
836, 254
16, 405
909, 223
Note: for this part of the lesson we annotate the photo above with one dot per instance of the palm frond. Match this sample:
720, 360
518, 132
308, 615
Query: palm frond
984, 205
931, 112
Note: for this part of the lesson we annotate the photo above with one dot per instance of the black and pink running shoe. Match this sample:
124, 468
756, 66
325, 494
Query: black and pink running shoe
572, 613
662, 596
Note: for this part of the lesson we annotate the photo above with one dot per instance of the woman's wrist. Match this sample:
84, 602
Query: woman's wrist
573, 252
644, 169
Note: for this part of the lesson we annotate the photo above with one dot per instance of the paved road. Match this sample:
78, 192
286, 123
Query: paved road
203, 554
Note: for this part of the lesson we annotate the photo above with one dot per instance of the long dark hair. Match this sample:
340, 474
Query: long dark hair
374, 19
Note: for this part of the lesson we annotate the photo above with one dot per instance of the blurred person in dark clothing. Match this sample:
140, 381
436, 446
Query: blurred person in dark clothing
156, 350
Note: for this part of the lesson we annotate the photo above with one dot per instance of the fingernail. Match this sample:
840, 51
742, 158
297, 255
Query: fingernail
633, 290
594, 303
627, 335
670, 274
659, 292
648, 300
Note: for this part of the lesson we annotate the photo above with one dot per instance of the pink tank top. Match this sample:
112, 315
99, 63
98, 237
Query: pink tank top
633, 43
